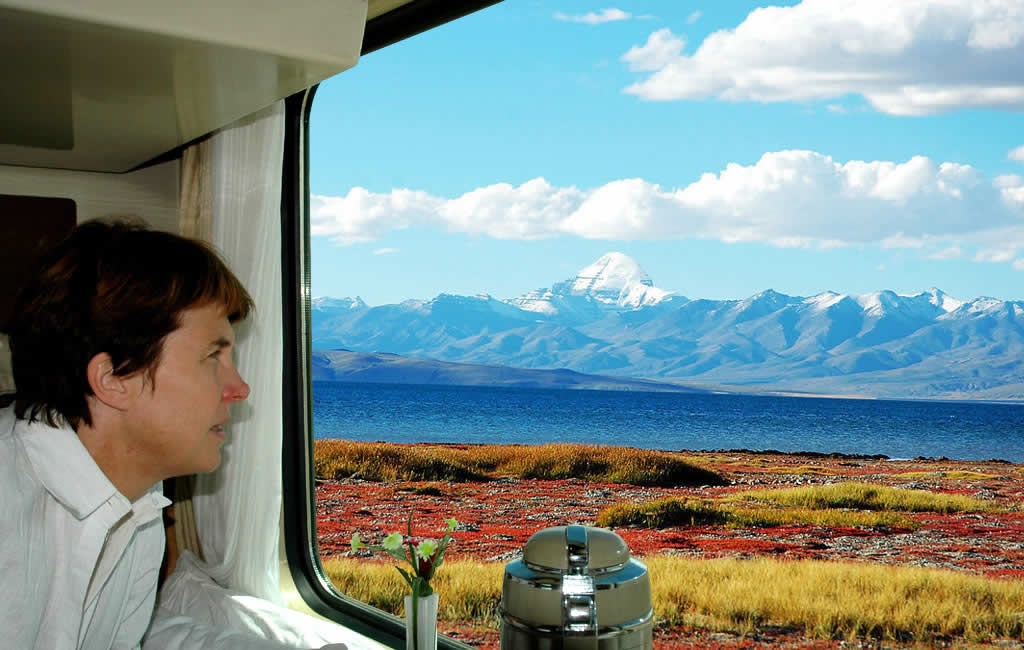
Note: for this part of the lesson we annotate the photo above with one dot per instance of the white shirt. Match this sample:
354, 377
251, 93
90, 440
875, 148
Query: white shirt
78, 561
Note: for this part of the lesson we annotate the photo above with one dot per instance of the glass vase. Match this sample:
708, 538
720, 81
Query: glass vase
421, 623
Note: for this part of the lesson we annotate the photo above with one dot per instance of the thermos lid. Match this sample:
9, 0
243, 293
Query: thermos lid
552, 550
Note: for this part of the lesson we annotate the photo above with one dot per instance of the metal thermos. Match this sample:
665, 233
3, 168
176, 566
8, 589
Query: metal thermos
575, 588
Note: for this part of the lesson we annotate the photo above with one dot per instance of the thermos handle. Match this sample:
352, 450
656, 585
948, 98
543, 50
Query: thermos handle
579, 608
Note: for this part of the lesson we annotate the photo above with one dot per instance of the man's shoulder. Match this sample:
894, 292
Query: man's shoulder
31, 456
20, 487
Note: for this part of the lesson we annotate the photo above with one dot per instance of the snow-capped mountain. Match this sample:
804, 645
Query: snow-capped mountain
325, 305
611, 319
614, 282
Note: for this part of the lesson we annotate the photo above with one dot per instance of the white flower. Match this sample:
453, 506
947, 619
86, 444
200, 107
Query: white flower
426, 549
392, 542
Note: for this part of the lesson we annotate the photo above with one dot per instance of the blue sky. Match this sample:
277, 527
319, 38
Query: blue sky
729, 147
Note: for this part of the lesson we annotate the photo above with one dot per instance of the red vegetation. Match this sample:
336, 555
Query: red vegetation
496, 518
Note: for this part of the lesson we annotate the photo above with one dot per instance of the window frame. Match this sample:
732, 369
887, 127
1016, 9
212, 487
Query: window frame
302, 558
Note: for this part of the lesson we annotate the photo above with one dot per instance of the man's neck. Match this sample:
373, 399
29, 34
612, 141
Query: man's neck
112, 451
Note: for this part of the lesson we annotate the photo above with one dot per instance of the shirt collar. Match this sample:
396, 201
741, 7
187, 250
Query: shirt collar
68, 472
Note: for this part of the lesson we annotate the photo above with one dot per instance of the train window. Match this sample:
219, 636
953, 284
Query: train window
549, 251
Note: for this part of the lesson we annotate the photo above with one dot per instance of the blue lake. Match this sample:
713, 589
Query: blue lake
669, 421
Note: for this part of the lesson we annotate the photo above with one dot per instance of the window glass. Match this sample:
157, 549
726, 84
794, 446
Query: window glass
586, 265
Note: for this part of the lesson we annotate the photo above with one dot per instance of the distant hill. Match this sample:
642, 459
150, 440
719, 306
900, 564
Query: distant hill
611, 320
345, 365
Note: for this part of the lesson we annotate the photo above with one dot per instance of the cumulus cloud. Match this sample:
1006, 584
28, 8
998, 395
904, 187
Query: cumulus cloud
1016, 154
592, 18
361, 216
785, 199
1011, 187
912, 57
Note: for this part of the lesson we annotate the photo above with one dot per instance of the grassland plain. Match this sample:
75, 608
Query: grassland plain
931, 551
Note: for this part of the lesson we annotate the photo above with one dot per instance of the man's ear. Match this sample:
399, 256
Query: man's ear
113, 390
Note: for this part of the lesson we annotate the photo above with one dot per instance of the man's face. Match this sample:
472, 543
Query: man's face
177, 422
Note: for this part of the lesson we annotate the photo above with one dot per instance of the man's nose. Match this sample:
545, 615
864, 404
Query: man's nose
236, 390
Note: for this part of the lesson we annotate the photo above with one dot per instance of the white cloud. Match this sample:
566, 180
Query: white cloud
692, 18
1016, 154
949, 253
591, 18
661, 49
912, 57
996, 255
785, 199
1011, 187
361, 216
385, 251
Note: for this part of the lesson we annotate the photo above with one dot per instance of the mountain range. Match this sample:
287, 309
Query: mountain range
611, 320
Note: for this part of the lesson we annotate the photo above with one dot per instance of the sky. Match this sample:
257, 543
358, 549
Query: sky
728, 147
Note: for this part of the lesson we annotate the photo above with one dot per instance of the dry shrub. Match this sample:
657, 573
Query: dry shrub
670, 512
864, 496
827, 518
379, 461
337, 459
663, 513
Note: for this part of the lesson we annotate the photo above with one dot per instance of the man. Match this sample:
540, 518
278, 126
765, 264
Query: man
121, 355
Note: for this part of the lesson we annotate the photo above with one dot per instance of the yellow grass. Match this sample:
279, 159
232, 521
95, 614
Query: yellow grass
665, 513
953, 475
824, 600
836, 600
863, 496
827, 518
470, 590
336, 459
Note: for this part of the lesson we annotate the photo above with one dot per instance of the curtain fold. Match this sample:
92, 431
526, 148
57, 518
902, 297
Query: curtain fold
196, 211
237, 508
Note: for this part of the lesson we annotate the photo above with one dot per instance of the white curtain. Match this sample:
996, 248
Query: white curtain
229, 598
238, 507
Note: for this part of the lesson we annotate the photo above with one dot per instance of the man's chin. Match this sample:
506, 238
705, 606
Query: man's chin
212, 462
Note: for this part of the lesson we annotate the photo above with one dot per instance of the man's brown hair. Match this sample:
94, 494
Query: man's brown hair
115, 287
